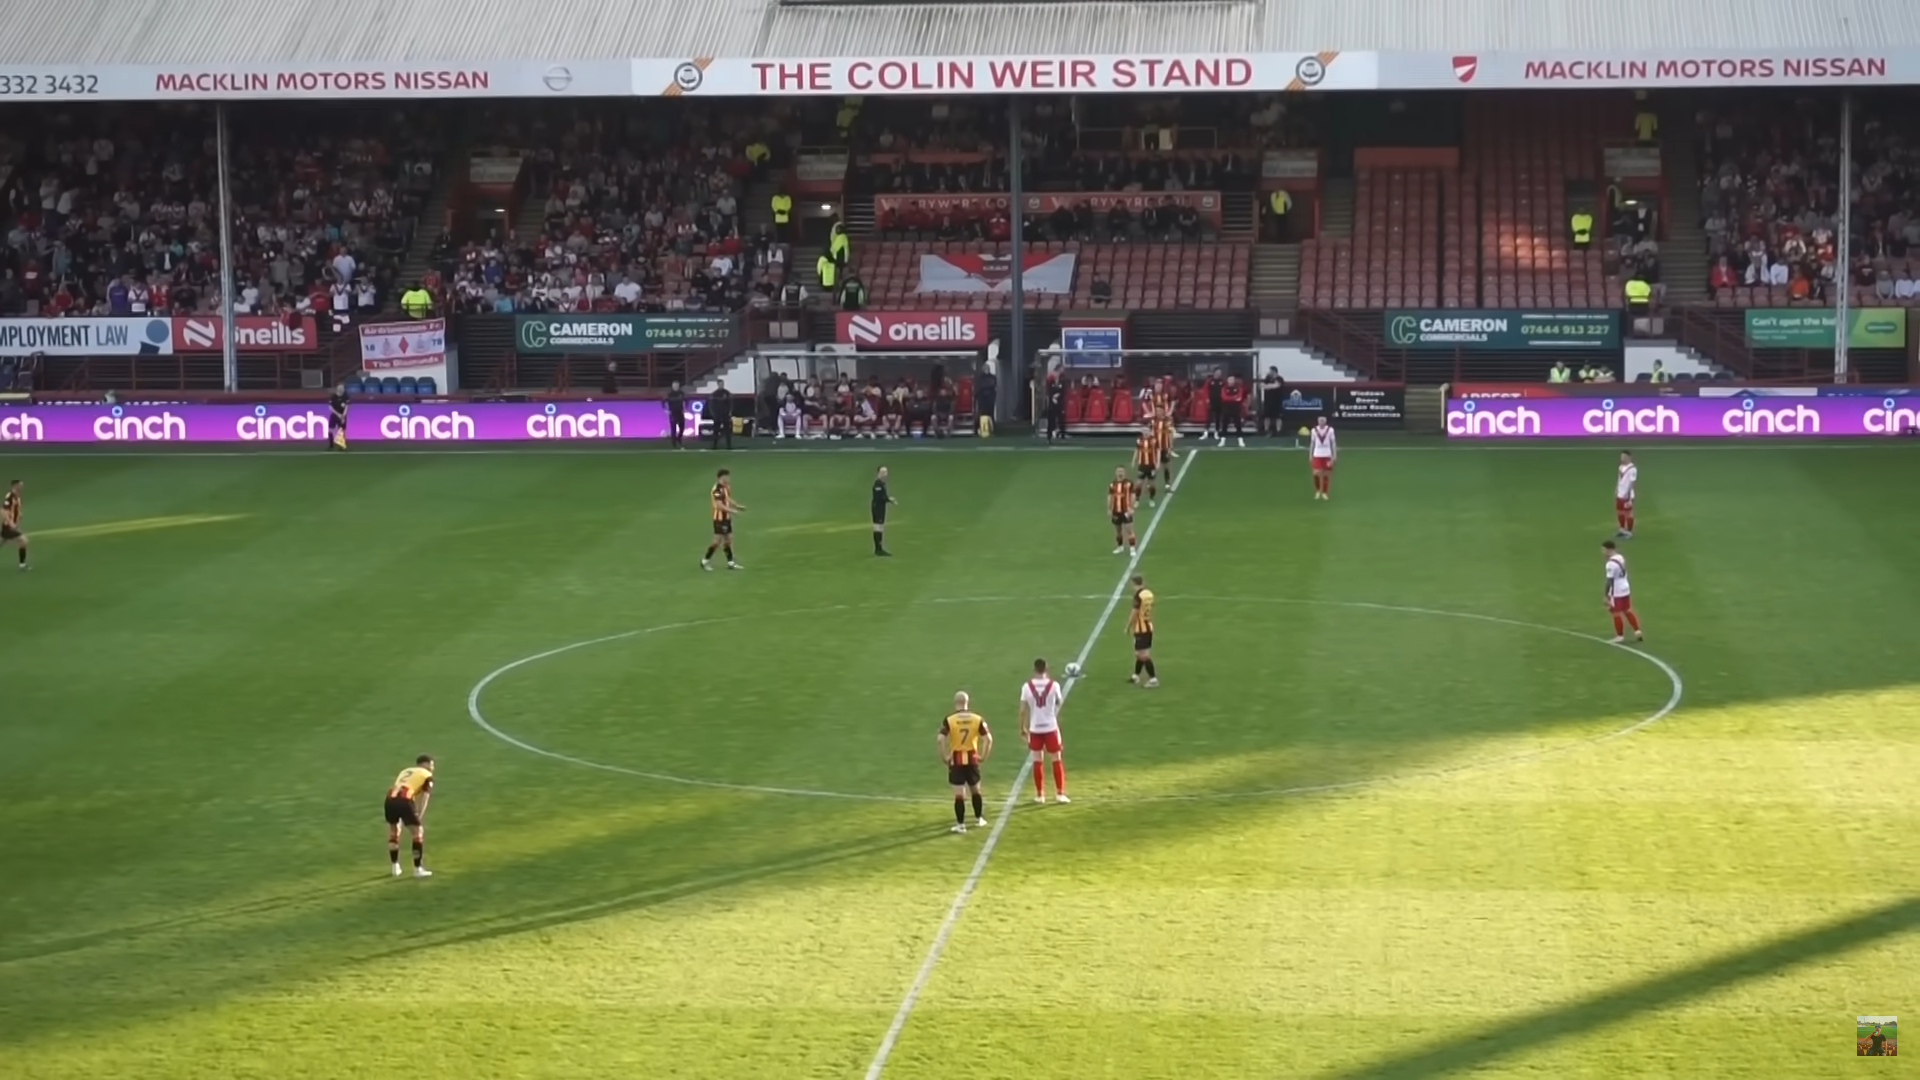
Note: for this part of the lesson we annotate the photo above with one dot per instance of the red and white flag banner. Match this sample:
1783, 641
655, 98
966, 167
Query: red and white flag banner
1039, 273
419, 343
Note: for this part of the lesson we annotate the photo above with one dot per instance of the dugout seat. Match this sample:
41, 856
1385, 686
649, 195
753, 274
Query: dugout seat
1122, 407
1097, 405
429, 386
389, 385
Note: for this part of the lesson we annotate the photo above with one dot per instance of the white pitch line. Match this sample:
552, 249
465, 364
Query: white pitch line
967, 887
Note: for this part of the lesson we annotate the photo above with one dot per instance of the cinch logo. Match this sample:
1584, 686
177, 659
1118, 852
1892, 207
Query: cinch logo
443, 427
1607, 420
1888, 419
912, 330
263, 428
119, 427
1751, 419
1472, 420
23, 428
551, 423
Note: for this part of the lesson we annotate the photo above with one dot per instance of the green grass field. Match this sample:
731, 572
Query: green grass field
1394, 813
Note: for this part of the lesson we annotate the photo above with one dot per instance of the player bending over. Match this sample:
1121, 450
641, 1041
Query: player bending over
1623, 492
1620, 596
406, 805
1120, 502
965, 743
1140, 625
720, 499
10, 533
1323, 449
1040, 701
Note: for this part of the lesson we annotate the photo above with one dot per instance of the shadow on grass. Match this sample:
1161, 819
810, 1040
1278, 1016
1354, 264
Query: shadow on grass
1537, 1029
124, 976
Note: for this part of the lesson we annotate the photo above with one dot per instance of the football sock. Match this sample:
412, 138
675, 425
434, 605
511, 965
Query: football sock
876, 543
1059, 776
23, 554
1629, 522
1151, 673
959, 809
1618, 627
711, 548
1633, 620
419, 853
1139, 666
1039, 783
393, 852
729, 550
979, 805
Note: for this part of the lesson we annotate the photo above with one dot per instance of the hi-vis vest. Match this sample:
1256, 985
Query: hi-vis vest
1639, 292
782, 209
1280, 202
1582, 227
827, 271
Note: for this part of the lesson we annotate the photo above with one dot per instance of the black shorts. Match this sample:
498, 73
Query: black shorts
400, 811
1122, 519
8, 532
723, 527
879, 515
963, 774
1143, 642
1146, 472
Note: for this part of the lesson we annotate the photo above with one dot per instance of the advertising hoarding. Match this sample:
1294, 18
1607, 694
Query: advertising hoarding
1744, 417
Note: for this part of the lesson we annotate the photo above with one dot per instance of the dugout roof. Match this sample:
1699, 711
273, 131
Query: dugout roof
294, 32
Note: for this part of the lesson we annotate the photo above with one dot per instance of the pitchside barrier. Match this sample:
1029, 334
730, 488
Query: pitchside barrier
1104, 387
1708, 411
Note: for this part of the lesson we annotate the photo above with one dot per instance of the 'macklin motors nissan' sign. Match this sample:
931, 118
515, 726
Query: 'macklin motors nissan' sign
912, 331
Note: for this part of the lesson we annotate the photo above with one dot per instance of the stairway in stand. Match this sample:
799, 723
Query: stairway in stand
1683, 254
1274, 285
450, 172
1239, 220
1336, 209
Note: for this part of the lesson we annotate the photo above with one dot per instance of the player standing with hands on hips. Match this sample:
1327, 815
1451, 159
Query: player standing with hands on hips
1040, 701
881, 500
1324, 449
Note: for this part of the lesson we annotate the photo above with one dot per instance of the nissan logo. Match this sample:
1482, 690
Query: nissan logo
688, 77
1310, 70
557, 78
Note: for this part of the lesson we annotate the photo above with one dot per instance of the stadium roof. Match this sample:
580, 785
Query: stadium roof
167, 32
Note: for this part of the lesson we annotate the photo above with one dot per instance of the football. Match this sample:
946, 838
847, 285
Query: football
1073, 670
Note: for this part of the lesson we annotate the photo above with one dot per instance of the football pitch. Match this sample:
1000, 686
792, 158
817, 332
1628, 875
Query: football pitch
1398, 809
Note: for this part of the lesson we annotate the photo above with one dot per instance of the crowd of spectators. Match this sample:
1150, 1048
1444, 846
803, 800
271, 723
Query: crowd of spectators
111, 210
638, 214
1769, 196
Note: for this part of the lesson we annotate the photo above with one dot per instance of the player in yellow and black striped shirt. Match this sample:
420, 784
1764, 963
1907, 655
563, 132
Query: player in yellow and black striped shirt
406, 803
10, 533
1140, 625
1121, 498
964, 743
720, 502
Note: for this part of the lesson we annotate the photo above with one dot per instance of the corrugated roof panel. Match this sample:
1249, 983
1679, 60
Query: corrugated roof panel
166, 32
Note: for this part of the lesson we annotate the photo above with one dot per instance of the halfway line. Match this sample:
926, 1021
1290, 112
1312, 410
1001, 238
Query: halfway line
960, 898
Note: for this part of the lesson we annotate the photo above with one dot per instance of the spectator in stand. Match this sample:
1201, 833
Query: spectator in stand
1101, 291
1720, 278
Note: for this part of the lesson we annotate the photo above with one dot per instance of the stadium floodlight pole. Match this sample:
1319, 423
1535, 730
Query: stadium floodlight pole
229, 358
1016, 377
1843, 259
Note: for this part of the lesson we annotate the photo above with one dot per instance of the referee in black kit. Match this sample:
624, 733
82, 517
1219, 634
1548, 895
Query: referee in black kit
881, 500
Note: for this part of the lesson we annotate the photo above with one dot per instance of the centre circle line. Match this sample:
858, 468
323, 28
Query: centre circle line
1673, 700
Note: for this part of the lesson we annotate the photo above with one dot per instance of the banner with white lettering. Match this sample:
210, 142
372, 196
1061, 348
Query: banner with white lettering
212, 82
994, 273
1647, 69
414, 344
961, 75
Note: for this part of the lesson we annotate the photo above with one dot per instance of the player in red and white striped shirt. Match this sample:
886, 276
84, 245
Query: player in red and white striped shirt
1323, 448
1620, 595
1624, 489
1040, 700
